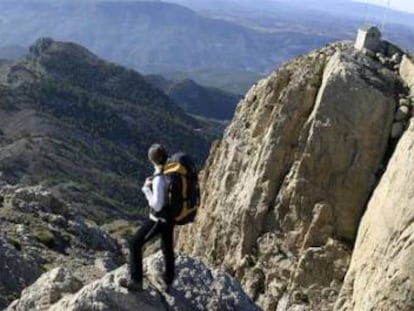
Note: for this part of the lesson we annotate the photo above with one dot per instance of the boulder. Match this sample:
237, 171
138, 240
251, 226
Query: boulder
37, 199
92, 236
396, 58
403, 102
47, 290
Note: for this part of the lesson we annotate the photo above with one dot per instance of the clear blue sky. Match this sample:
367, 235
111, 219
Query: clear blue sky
402, 5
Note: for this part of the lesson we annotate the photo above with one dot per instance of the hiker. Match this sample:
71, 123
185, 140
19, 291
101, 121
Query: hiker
173, 195
155, 190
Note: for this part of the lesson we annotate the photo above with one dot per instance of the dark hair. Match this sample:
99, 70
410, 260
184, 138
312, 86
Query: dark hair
157, 154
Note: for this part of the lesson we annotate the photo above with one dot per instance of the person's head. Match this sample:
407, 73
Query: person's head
157, 154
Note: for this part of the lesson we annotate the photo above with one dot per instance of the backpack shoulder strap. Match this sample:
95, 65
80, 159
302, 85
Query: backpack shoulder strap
175, 167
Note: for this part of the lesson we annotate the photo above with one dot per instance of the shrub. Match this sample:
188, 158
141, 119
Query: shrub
44, 236
15, 243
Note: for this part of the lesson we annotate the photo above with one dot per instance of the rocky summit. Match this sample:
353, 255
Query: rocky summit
306, 204
285, 189
55, 260
196, 288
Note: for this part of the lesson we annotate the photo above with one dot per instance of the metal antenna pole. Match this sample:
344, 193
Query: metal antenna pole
385, 16
366, 13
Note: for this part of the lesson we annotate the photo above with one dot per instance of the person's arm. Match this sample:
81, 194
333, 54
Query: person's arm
155, 197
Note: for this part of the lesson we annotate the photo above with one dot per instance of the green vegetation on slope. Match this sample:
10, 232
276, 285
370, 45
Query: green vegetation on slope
198, 100
82, 126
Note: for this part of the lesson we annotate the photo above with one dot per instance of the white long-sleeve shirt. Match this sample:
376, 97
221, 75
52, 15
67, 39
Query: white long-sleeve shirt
157, 195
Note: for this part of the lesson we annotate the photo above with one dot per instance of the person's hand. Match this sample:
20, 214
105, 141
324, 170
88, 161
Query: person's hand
148, 182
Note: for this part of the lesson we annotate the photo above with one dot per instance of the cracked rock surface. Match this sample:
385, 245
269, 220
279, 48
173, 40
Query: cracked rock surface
285, 189
196, 287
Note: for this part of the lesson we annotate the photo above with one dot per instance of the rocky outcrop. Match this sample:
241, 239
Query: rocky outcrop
284, 190
407, 72
16, 272
196, 288
381, 273
39, 232
47, 290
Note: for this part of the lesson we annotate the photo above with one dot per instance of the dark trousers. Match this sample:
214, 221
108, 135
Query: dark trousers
149, 230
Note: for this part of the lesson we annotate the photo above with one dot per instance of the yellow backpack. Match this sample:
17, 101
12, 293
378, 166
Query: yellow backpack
183, 196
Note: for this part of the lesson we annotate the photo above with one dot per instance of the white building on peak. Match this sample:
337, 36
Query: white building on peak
369, 37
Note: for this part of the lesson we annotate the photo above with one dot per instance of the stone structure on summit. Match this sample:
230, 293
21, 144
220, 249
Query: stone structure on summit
369, 37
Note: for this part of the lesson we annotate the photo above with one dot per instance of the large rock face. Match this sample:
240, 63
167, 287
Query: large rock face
384, 248
381, 273
196, 288
286, 187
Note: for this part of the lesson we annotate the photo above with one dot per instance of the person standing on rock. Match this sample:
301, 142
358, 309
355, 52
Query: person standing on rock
155, 190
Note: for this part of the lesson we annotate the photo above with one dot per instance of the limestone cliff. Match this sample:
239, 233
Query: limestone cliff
284, 190
381, 273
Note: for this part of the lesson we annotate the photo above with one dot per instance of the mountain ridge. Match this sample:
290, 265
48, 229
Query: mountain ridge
130, 33
66, 112
196, 99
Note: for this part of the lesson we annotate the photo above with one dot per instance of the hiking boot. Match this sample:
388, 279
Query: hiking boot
169, 289
166, 285
131, 284
168, 282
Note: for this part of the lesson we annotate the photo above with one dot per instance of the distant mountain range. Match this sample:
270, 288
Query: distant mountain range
82, 126
333, 18
154, 37
225, 44
11, 52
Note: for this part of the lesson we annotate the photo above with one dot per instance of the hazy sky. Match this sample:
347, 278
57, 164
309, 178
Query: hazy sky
402, 5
